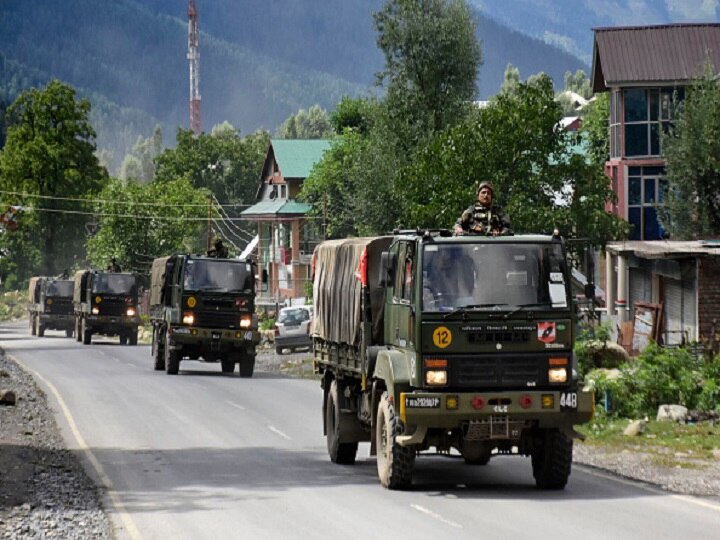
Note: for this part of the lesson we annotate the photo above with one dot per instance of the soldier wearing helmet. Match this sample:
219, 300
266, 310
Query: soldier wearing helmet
484, 217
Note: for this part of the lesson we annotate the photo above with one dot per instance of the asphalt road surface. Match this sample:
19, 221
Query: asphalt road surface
206, 455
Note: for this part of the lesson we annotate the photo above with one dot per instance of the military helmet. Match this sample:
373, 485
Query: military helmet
486, 184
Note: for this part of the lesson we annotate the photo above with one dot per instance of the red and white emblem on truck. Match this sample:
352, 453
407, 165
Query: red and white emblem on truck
547, 332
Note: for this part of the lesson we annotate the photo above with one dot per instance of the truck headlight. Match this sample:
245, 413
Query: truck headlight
557, 375
131, 312
246, 321
95, 310
188, 318
436, 377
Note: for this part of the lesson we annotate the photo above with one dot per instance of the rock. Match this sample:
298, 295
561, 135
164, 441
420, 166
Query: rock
7, 397
637, 427
716, 453
672, 413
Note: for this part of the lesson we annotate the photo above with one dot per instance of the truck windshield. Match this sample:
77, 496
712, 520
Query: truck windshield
113, 283
59, 288
493, 274
217, 275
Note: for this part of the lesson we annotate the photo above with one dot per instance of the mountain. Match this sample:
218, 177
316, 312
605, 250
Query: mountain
259, 61
568, 24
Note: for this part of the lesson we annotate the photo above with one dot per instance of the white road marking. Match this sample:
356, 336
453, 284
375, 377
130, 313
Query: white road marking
436, 516
233, 404
278, 432
120, 509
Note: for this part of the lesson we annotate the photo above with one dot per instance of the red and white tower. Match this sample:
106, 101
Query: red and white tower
193, 57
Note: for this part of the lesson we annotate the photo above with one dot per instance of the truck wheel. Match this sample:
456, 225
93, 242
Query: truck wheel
86, 333
158, 351
247, 365
278, 350
340, 453
68, 332
172, 358
123, 338
32, 325
133, 337
394, 462
552, 460
227, 363
78, 334
40, 328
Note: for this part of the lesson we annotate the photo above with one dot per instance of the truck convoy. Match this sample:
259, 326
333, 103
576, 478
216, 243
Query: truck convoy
50, 305
106, 303
203, 308
424, 340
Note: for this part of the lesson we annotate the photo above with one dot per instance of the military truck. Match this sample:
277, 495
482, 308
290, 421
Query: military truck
203, 308
462, 344
50, 305
106, 303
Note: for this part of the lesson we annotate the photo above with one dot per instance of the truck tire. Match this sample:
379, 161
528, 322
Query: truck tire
40, 328
247, 365
158, 351
133, 337
123, 338
78, 334
86, 333
68, 332
172, 358
32, 325
227, 363
552, 460
394, 462
340, 453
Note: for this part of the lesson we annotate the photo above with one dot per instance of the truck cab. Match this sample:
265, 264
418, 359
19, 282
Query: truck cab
106, 303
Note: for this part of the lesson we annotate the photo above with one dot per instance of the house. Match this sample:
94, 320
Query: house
680, 275
644, 68
286, 234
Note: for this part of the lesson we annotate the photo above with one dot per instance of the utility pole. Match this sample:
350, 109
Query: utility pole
193, 57
209, 225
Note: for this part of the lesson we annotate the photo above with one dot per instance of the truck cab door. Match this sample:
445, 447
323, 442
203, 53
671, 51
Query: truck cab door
401, 308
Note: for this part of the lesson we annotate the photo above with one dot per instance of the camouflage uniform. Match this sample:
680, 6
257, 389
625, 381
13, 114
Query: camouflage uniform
479, 219
219, 251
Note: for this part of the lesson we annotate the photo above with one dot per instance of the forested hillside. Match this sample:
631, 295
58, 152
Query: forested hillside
259, 61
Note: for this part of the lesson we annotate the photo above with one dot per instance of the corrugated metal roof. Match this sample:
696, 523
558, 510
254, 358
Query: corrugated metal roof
296, 157
278, 208
652, 54
665, 249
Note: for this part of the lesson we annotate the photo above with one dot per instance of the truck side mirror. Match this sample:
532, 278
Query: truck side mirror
388, 264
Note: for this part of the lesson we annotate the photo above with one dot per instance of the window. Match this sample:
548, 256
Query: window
646, 112
615, 150
646, 191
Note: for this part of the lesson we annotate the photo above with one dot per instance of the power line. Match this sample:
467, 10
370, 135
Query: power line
129, 216
79, 199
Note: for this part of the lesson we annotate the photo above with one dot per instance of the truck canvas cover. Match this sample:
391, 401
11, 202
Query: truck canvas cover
157, 280
337, 288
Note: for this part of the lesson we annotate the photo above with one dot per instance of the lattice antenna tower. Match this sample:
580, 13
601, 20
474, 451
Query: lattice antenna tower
193, 57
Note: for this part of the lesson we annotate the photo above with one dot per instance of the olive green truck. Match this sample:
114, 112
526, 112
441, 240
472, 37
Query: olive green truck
203, 308
462, 344
50, 305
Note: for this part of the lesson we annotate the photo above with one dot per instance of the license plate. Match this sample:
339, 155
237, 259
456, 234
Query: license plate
216, 335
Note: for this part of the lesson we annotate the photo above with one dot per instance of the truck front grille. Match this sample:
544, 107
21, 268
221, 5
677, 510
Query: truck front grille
112, 307
217, 319
60, 306
498, 371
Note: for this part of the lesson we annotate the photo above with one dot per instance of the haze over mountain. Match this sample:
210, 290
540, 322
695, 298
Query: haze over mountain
568, 24
259, 61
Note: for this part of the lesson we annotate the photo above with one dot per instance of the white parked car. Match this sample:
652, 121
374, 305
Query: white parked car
293, 328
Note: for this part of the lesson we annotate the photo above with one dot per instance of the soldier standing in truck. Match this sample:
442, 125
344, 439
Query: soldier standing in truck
484, 217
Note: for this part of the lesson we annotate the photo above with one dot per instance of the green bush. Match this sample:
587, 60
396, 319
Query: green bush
13, 305
267, 324
656, 377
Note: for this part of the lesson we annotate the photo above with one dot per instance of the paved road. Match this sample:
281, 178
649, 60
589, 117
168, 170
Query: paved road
204, 455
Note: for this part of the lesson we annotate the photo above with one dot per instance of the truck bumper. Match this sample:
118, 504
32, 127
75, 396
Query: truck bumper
58, 322
212, 338
112, 325
549, 409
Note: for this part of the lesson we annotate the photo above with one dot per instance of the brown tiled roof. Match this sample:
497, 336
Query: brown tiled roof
640, 54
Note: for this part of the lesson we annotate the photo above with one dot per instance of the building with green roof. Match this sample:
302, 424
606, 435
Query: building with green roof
286, 235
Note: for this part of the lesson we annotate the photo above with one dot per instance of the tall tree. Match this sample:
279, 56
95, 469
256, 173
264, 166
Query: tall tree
223, 162
313, 123
139, 164
49, 158
139, 222
692, 153
432, 58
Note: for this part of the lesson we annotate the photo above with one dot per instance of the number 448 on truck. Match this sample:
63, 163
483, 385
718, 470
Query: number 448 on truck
424, 340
